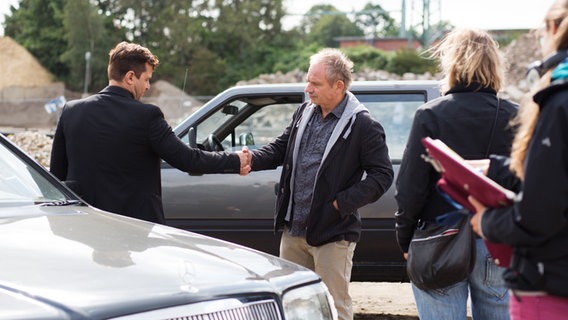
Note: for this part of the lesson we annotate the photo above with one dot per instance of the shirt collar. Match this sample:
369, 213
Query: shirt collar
339, 109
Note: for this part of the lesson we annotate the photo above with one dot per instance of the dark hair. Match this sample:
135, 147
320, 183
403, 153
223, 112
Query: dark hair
129, 56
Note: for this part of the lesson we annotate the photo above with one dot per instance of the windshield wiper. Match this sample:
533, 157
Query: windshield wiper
61, 203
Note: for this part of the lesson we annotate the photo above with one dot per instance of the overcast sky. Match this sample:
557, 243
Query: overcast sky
484, 14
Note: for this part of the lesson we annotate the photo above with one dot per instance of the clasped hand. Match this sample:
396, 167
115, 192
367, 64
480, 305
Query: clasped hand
246, 159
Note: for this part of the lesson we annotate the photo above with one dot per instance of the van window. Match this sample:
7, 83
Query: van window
395, 113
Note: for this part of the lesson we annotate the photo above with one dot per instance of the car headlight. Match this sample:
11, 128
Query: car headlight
309, 302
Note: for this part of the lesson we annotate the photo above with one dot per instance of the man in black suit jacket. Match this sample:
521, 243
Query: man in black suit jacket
110, 144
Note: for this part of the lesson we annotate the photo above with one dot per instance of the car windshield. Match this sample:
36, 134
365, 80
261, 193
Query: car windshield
21, 183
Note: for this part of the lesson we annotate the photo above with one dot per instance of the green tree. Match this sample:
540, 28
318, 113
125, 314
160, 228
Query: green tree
232, 38
177, 37
376, 22
314, 15
324, 23
298, 59
242, 34
203, 46
134, 17
92, 38
37, 25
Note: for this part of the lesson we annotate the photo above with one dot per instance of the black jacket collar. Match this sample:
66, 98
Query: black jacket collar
474, 87
117, 90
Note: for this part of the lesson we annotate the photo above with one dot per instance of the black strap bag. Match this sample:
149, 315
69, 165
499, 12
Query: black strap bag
442, 253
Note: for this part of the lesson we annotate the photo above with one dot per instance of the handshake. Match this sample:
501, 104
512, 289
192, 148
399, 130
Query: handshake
246, 159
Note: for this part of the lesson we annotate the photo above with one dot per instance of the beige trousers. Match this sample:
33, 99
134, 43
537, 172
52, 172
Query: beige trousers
332, 262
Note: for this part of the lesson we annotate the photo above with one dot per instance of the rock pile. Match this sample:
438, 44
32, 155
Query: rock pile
363, 75
34, 143
174, 102
519, 55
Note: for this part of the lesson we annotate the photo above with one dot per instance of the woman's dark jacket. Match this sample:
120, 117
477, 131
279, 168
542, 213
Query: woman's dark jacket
356, 146
463, 119
536, 225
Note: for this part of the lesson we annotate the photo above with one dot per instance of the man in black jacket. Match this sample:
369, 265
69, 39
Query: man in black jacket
110, 144
330, 142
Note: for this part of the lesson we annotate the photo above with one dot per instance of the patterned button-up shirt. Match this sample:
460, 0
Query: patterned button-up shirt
312, 147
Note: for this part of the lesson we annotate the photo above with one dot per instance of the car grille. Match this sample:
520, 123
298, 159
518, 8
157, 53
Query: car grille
226, 309
263, 310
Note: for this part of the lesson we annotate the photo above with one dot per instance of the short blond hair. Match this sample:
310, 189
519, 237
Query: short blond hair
337, 65
469, 56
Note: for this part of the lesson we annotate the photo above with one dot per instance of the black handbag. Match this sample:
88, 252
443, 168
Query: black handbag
441, 254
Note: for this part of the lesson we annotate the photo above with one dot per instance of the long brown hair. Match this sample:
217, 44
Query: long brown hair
529, 110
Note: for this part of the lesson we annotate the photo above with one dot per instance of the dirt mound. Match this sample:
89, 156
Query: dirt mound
19, 67
174, 102
164, 88
519, 55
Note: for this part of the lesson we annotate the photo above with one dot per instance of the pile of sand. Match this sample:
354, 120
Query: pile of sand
19, 67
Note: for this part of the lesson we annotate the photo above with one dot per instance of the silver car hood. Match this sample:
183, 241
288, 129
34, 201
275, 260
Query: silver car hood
99, 265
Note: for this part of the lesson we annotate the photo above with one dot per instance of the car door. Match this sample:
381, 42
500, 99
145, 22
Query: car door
377, 256
228, 206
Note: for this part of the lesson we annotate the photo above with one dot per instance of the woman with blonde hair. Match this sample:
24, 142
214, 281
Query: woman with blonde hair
536, 224
471, 119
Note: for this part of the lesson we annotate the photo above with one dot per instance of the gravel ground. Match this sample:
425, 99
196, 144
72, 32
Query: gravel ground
383, 301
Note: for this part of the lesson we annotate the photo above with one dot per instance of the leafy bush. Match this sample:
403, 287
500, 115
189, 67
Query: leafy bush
363, 56
409, 60
367, 57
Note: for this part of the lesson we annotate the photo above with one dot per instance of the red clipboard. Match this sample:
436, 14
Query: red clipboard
459, 180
